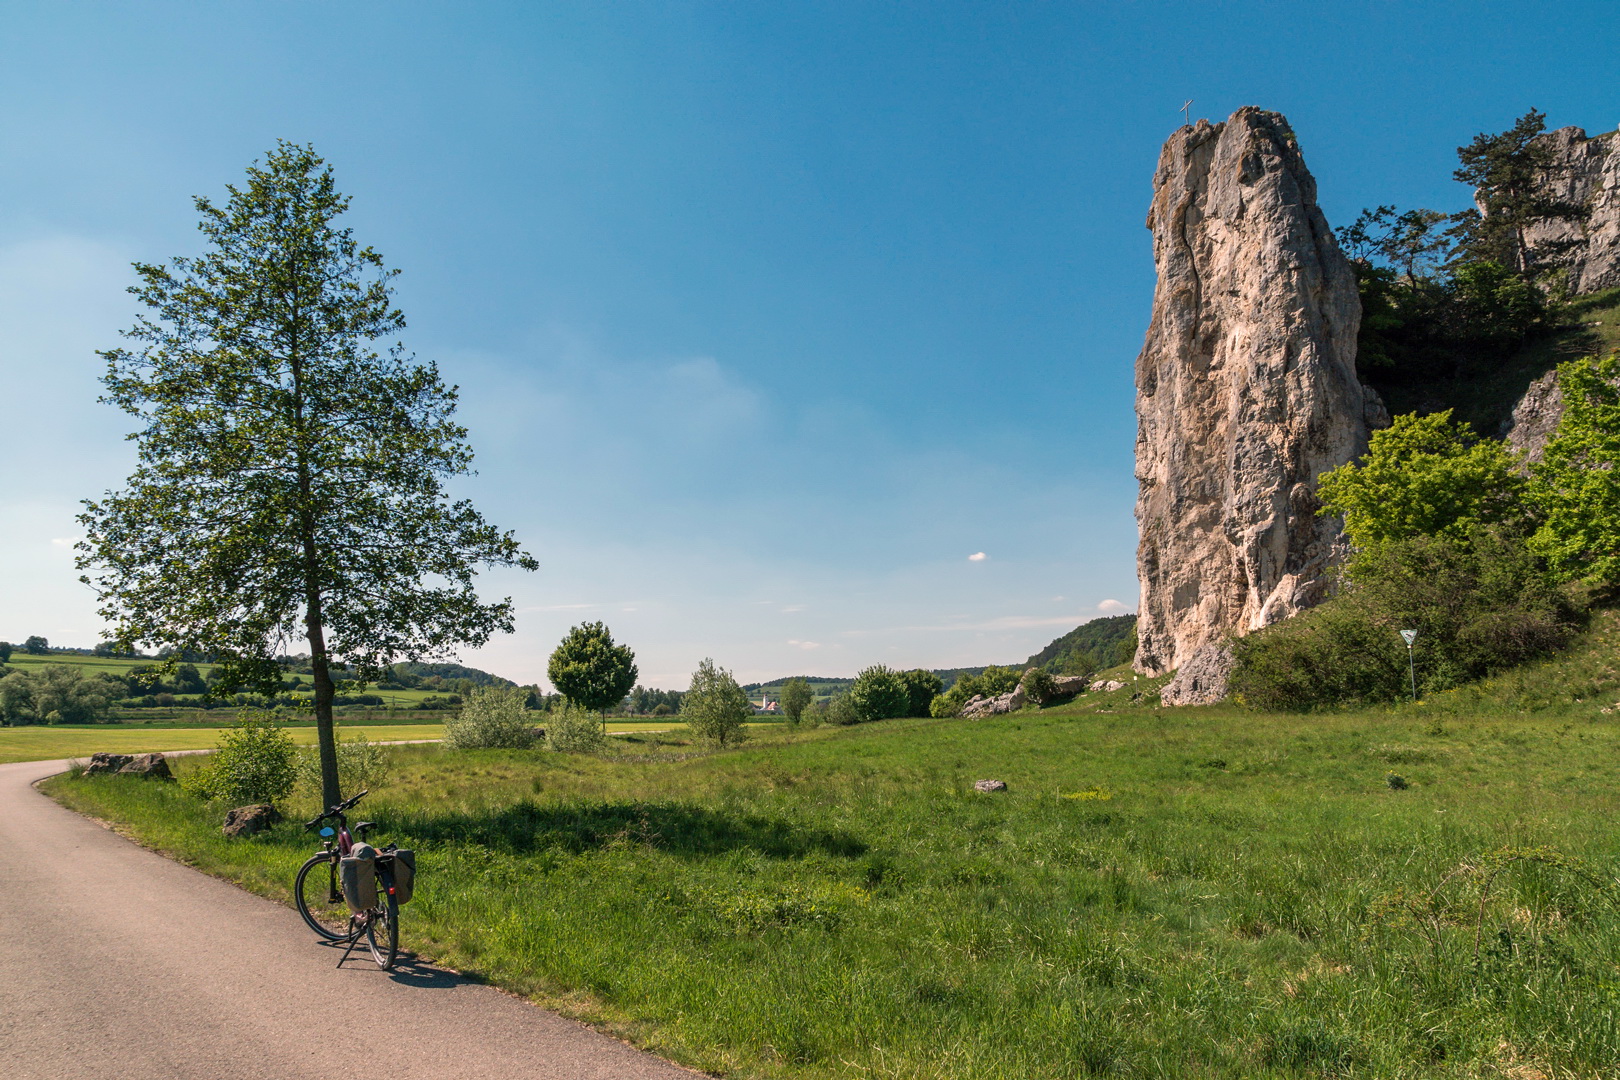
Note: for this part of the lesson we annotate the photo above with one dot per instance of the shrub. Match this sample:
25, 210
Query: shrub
1478, 605
362, 766
715, 708
572, 729
1039, 686
256, 763
840, 711
990, 683
878, 694
492, 717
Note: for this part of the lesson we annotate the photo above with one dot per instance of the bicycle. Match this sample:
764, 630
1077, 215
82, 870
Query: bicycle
327, 912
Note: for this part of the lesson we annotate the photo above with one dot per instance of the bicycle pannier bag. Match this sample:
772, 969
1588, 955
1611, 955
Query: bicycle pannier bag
359, 873
404, 874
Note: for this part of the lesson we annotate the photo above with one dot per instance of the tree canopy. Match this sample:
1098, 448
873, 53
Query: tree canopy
715, 707
289, 478
590, 670
1424, 476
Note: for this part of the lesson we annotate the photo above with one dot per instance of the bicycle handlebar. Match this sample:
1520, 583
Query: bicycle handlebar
334, 811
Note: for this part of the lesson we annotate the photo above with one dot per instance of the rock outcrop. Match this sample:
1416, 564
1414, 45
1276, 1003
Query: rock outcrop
1535, 417
1201, 678
1584, 173
1246, 389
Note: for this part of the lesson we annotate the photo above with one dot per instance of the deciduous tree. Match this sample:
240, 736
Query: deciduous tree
715, 707
290, 476
590, 670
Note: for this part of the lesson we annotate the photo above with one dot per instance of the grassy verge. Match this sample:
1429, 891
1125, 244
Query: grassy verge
1159, 893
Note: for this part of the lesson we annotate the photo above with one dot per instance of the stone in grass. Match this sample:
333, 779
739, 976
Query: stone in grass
247, 820
151, 766
990, 785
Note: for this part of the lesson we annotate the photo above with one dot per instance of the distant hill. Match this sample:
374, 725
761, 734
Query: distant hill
1093, 646
453, 671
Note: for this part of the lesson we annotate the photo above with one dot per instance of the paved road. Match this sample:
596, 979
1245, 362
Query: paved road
118, 963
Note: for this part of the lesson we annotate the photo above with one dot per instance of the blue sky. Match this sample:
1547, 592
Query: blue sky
766, 317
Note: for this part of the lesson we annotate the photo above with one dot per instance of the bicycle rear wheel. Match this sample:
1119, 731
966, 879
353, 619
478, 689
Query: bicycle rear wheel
382, 931
319, 900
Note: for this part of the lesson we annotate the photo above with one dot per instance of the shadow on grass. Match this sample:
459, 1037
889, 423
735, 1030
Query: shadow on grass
683, 830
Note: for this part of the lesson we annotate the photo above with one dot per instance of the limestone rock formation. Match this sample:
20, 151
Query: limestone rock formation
1200, 679
1535, 417
1585, 173
1246, 388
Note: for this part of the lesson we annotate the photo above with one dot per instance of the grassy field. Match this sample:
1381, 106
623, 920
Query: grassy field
44, 742
1426, 891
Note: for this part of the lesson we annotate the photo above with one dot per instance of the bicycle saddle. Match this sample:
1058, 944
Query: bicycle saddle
363, 826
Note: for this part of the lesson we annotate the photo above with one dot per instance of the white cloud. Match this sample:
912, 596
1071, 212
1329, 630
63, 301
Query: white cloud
1112, 607
63, 541
792, 608
805, 644
977, 556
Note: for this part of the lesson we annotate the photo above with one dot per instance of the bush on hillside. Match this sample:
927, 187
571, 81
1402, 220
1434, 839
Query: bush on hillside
492, 718
256, 763
991, 682
1479, 605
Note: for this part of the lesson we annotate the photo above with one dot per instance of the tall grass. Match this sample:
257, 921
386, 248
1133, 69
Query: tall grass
1163, 893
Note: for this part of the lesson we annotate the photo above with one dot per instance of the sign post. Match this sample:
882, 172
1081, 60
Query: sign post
1410, 636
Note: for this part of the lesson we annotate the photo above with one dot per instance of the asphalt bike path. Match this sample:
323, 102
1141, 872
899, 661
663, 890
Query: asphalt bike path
116, 962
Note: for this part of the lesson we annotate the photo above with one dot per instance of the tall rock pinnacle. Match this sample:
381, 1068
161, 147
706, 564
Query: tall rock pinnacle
1246, 390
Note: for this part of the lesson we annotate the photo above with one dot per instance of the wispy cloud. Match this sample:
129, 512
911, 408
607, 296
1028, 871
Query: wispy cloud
1112, 607
804, 644
978, 556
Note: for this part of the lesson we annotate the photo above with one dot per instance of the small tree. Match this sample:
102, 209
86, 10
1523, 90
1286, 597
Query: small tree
796, 694
715, 708
290, 476
1508, 172
921, 686
36, 646
5, 651
589, 670
879, 694
491, 717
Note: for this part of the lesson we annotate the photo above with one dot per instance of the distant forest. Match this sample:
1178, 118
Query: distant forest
1093, 646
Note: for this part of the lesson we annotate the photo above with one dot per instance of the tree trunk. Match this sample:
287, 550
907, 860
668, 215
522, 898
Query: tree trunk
325, 733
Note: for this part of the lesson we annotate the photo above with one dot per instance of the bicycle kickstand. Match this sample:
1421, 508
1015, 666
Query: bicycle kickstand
354, 939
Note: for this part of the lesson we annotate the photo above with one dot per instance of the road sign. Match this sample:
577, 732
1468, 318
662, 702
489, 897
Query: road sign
1409, 636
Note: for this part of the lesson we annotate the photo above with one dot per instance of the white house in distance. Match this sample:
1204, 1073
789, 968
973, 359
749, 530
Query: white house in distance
766, 705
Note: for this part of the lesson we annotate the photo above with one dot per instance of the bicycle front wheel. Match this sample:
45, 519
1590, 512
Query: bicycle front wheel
382, 931
319, 899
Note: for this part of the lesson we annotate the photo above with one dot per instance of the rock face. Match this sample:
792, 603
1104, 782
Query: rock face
1586, 173
1535, 417
1246, 389
1201, 679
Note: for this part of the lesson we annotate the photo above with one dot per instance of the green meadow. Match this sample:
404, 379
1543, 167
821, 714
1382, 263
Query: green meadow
1424, 891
